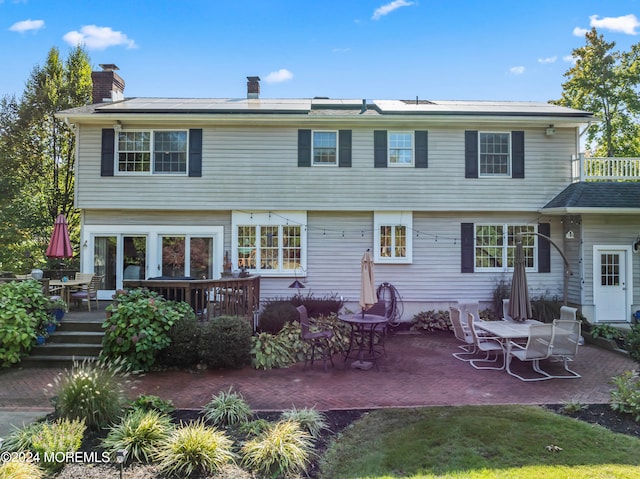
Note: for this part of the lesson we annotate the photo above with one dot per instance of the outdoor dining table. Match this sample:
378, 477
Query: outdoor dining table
362, 339
68, 287
507, 331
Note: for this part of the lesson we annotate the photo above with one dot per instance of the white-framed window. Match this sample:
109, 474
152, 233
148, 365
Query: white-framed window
392, 236
324, 148
400, 148
495, 154
495, 246
270, 243
152, 152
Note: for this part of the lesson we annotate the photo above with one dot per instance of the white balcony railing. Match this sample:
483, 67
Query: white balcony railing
605, 169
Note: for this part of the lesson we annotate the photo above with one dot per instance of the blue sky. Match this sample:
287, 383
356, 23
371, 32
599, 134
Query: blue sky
376, 49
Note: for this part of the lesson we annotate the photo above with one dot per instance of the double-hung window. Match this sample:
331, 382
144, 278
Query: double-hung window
152, 152
400, 148
495, 246
272, 244
392, 236
495, 154
325, 148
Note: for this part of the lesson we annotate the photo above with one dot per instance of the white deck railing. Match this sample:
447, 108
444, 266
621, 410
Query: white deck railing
605, 169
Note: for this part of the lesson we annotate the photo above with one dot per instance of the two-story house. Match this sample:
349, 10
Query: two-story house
301, 188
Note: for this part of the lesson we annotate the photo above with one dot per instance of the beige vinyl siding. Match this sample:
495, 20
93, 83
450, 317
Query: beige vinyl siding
243, 168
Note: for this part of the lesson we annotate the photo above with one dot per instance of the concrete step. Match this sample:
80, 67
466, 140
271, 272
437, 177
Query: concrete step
53, 361
66, 349
75, 337
77, 325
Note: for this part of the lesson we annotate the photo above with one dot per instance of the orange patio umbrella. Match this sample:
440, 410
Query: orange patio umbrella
60, 244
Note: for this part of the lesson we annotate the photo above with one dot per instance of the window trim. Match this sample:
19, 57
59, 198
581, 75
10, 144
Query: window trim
271, 218
337, 148
393, 218
509, 172
152, 169
505, 248
411, 134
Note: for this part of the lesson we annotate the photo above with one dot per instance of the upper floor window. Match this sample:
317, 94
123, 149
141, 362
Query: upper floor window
392, 236
325, 148
495, 246
155, 152
495, 154
400, 148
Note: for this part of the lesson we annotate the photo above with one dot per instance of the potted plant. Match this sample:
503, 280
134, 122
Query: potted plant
57, 307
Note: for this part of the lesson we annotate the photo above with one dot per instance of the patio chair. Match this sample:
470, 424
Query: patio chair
89, 292
567, 312
565, 344
538, 347
472, 307
485, 344
318, 340
505, 310
462, 333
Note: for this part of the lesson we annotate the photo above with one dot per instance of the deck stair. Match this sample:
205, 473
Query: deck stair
78, 337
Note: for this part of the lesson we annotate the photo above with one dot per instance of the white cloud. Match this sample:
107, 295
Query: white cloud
569, 59
341, 50
626, 24
27, 25
98, 38
547, 60
279, 76
390, 7
516, 70
579, 32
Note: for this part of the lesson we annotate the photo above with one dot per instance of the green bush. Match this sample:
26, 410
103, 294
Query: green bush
309, 419
195, 448
138, 327
20, 470
140, 433
20, 437
283, 450
275, 315
317, 307
225, 342
23, 314
150, 402
545, 309
91, 391
632, 342
227, 409
626, 395
606, 331
431, 321
182, 351
269, 351
55, 439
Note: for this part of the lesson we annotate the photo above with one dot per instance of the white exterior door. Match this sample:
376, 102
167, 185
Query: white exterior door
611, 283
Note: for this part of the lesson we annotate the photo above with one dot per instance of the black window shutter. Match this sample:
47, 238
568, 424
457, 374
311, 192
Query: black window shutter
304, 147
544, 248
517, 154
195, 152
466, 247
344, 148
470, 154
108, 159
422, 149
380, 148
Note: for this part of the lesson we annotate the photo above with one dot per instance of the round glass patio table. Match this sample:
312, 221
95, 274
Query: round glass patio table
362, 347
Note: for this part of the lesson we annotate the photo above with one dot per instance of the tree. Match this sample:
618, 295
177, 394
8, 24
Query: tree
605, 82
37, 157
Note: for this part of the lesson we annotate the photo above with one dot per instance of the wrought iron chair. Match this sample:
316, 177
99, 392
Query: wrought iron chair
380, 330
318, 340
538, 347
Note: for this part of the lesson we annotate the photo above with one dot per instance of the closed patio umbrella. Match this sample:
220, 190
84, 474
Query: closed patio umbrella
368, 296
60, 244
519, 304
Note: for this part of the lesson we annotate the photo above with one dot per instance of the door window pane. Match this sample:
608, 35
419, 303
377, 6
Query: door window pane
134, 257
201, 258
173, 260
104, 260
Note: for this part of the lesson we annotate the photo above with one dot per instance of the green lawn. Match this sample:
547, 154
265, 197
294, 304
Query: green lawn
479, 442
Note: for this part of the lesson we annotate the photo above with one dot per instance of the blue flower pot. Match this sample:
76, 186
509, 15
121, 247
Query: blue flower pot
58, 314
51, 328
40, 340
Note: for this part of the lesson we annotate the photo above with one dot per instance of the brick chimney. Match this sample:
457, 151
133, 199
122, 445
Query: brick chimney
107, 84
253, 87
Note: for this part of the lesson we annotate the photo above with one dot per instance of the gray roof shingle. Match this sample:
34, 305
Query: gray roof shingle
598, 195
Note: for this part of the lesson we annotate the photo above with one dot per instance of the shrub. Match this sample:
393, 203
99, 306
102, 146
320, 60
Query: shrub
226, 342
501, 290
309, 419
275, 315
140, 433
626, 395
195, 448
20, 438
606, 331
269, 351
282, 450
317, 307
181, 352
92, 391
149, 402
632, 342
23, 315
227, 409
57, 438
255, 427
544, 309
137, 328
431, 321
20, 470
